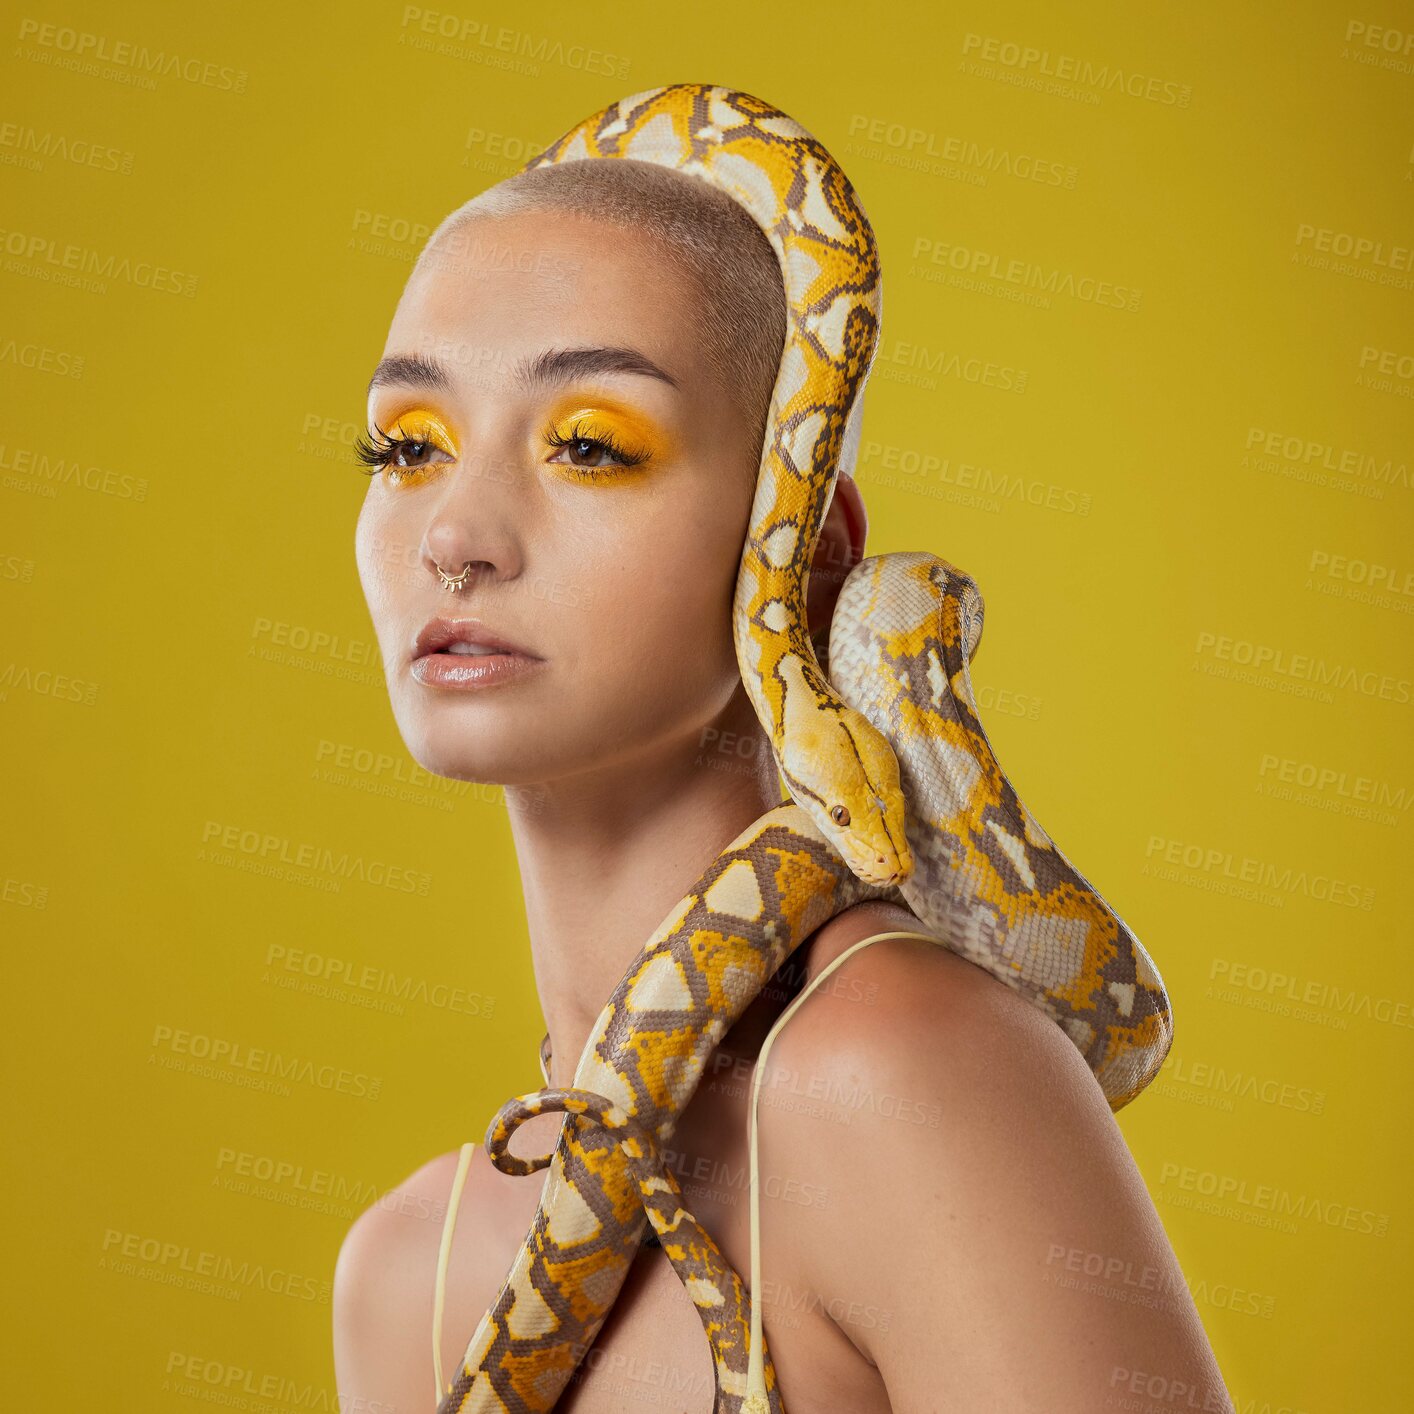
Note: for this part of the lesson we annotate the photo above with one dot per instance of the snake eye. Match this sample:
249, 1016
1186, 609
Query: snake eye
839, 814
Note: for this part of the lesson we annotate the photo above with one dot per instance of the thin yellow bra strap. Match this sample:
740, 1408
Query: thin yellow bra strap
444, 1256
444, 1252
756, 1365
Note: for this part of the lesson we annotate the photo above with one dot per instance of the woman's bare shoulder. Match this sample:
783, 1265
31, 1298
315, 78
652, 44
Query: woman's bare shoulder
966, 1155
898, 1001
384, 1282
851, 925
406, 1220
918, 973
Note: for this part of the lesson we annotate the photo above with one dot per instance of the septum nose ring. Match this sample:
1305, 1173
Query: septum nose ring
454, 581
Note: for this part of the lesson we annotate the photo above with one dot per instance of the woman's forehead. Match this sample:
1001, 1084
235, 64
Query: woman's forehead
535, 305
549, 253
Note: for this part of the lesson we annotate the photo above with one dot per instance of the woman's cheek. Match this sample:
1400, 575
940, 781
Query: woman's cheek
365, 540
389, 570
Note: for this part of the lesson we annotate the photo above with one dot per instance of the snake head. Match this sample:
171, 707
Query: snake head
845, 776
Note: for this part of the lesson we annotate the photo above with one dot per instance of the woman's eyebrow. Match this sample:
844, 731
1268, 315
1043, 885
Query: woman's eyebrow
564, 365
411, 371
551, 366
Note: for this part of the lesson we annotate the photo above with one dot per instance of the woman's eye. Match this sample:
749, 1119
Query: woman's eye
398, 456
588, 451
408, 455
583, 454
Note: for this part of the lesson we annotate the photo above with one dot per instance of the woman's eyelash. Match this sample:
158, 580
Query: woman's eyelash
375, 450
616, 450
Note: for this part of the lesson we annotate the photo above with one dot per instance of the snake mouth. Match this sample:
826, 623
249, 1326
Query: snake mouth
887, 881
884, 863
900, 855
878, 871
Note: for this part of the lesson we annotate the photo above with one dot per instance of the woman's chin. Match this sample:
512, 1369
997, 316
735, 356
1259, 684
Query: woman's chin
454, 762
453, 751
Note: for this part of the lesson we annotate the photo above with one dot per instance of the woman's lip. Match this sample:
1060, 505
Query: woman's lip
464, 672
442, 633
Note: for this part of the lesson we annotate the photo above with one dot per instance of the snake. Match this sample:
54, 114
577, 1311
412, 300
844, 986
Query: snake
892, 792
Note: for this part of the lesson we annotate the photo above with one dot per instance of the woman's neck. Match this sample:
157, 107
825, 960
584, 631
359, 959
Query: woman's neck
603, 860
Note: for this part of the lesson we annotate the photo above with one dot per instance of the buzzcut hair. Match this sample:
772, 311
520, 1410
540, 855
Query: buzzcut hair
710, 238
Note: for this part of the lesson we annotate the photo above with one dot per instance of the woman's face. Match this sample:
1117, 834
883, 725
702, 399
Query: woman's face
601, 507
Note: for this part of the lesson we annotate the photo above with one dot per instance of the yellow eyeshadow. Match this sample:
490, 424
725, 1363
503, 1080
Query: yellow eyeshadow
633, 431
628, 431
423, 425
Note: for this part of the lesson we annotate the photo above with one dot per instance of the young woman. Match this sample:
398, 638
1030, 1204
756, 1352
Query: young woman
565, 429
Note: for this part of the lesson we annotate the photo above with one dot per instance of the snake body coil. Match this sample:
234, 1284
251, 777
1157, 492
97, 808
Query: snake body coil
895, 794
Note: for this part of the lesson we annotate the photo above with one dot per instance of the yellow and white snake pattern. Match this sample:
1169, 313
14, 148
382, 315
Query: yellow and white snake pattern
894, 794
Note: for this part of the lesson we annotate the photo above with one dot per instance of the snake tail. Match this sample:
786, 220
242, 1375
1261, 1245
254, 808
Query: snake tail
718, 1294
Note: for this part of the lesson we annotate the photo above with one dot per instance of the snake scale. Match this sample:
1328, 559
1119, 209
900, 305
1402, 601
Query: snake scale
894, 793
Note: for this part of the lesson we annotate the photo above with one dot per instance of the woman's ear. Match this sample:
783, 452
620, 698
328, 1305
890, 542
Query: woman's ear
840, 548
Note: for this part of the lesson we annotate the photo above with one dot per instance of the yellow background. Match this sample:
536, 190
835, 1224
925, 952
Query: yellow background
187, 650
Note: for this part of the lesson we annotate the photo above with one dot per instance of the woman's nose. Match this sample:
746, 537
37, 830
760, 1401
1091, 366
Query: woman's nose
472, 531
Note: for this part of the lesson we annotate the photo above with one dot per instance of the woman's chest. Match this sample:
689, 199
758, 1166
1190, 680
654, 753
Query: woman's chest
652, 1352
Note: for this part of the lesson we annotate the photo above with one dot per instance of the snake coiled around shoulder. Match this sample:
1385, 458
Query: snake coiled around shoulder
894, 792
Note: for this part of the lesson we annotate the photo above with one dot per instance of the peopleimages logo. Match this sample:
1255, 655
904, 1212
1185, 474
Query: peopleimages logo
178, 1263
318, 967
1301, 667
280, 852
238, 1387
1314, 458
1268, 1199
1335, 781
1355, 247
1273, 985
31, 148
903, 145
49, 473
44, 255
1031, 60
1225, 1084
219, 1057
85, 50
462, 37
42, 359
1263, 873
1014, 270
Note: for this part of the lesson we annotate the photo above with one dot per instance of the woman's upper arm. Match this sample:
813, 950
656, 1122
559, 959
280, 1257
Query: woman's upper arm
977, 1183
